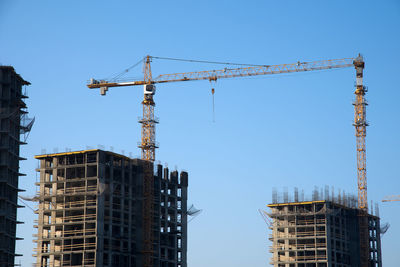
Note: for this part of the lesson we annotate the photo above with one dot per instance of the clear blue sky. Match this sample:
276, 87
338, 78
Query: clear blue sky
277, 131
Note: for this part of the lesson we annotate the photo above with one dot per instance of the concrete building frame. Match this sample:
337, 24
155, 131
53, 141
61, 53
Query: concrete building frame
13, 123
320, 233
91, 206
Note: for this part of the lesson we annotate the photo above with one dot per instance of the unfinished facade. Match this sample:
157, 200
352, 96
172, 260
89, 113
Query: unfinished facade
320, 233
13, 123
91, 206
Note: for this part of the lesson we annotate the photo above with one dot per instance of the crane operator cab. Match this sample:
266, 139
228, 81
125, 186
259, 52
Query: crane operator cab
149, 89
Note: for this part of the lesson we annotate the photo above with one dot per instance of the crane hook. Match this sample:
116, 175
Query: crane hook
213, 103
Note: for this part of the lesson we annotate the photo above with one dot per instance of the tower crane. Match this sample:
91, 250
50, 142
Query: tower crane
391, 198
148, 143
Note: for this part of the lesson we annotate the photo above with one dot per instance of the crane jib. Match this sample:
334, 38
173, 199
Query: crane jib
213, 75
255, 70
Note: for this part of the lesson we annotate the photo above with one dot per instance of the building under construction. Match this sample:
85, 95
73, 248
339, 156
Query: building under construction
14, 124
321, 231
91, 211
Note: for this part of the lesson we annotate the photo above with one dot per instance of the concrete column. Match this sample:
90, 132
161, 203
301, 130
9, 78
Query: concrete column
100, 210
184, 184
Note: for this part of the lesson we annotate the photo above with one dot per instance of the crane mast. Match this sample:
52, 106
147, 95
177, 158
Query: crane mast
148, 146
148, 143
360, 125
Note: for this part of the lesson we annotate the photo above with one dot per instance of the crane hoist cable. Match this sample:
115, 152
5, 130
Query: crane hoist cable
205, 61
122, 73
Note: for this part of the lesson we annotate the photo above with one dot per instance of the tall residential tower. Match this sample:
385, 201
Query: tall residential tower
321, 232
91, 211
13, 123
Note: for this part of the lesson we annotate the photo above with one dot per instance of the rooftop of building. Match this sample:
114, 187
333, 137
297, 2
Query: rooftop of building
326, 195
295, 203
137, 161
11, 68
159, 170
58, 154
